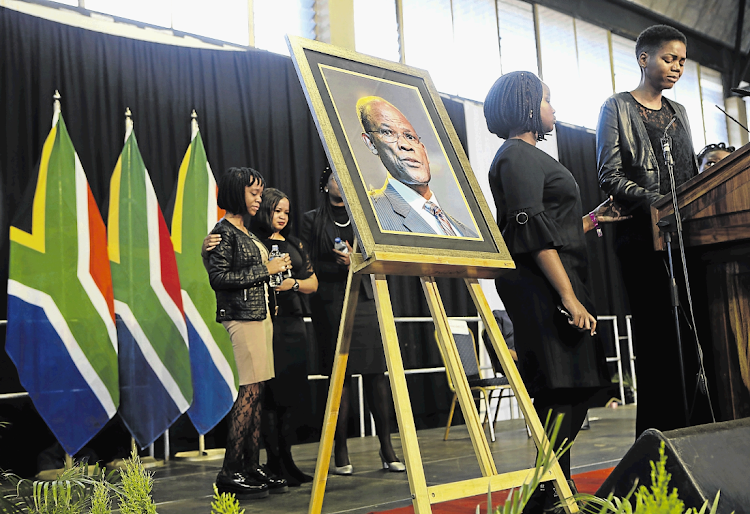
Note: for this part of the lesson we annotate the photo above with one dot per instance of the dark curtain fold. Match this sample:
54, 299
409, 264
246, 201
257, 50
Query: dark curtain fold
251, 111
577, 151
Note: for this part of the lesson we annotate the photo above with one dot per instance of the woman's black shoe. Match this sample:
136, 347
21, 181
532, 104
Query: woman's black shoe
275, 484
292, 470
242, 486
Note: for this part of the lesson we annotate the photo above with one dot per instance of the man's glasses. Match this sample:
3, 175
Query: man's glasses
391, 136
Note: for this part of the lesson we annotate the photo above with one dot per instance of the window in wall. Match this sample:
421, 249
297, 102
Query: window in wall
687, 92
273, 19
712, 94
627, 72
475, 41
376, 29
517, 38
428, 41
559, 62
153, 12
594, 72
225, 20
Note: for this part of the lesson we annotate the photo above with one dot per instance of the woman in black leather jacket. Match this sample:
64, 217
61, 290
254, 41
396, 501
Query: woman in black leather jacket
633, 170
238, 269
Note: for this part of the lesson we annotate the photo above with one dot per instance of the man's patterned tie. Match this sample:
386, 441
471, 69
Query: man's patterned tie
441, 217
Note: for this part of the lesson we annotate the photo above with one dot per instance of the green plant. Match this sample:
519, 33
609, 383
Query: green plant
518, 497
137, 484
70, 493
656, 500
101, 503
225, 503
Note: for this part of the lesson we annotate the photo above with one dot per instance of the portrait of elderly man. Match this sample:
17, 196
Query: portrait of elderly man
405, 203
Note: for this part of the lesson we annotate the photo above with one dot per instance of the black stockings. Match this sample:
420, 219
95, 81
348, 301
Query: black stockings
379, 400
573, 416
378, 397
243, 439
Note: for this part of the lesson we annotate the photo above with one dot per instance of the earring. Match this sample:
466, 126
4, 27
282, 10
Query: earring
326, 190
531, 113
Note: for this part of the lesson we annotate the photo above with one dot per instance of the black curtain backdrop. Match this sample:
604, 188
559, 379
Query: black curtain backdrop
251, 111
576, 148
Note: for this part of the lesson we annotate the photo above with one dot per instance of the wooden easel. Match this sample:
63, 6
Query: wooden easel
422, 495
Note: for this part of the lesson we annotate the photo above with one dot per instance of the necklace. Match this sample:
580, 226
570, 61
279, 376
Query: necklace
342, 225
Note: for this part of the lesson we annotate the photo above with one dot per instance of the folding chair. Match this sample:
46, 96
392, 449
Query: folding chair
484, 387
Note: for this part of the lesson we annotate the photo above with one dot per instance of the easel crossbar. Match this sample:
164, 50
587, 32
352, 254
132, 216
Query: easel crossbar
476, 486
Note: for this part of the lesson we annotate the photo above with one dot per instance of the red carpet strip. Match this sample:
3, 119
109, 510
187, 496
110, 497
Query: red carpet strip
587, 482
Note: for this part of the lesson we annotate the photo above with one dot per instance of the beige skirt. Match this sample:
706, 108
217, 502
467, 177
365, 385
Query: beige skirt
252, 342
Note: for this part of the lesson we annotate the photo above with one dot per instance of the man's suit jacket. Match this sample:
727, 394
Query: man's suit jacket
394, 213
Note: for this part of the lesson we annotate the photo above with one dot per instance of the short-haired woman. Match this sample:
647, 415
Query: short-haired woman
238, 269
287, 395
632, 169
539, 210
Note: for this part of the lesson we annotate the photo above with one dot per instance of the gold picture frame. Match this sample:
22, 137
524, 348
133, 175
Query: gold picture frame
336, 81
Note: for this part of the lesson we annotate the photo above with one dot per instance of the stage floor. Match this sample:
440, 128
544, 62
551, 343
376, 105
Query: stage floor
186, 488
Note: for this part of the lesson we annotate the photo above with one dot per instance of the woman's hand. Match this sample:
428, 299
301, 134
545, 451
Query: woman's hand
286, 285
211, 242
341, 257
609, 211
279, 264
580, 317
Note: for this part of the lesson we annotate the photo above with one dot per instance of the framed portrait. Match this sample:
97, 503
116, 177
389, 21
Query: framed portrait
406, 180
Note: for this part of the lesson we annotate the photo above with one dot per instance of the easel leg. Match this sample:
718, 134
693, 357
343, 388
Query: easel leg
455, 368
409, 442
334, 393
519, 388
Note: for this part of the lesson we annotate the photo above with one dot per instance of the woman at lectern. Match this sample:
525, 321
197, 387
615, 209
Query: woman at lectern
633, 170
539, 211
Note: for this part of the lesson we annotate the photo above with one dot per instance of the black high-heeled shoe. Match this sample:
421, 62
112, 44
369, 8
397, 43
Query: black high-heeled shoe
291, 469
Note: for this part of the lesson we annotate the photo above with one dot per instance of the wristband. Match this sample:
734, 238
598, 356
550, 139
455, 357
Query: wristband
596, 224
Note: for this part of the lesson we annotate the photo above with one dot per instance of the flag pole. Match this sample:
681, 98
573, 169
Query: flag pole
56, 108
128, 123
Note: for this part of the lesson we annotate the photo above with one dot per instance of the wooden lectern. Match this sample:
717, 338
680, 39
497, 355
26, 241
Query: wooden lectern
715, 212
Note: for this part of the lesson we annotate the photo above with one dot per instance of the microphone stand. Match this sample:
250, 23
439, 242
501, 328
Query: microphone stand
667, 228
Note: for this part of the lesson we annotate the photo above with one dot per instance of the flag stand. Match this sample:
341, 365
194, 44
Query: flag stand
202, 454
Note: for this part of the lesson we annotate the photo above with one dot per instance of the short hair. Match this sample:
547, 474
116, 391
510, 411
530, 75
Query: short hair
263, 220
513, 103
232, 186
651, 39
364, 107
713, 147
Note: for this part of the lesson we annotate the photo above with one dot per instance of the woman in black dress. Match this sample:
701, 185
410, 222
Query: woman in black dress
286, 395
539, 212
320, 228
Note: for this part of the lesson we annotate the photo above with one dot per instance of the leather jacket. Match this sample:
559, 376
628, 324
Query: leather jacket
627, 164
237, 275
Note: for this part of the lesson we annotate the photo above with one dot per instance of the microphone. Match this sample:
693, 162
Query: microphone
732, 117
666, 142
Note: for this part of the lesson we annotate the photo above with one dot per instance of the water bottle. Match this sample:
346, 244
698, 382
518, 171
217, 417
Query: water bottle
276, 279
339, 245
